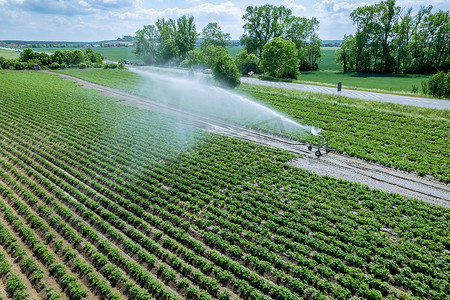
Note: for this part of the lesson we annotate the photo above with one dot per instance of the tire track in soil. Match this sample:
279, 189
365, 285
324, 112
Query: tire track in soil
333, 164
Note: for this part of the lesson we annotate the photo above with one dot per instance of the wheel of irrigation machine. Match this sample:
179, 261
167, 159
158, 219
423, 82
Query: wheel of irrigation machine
318, 153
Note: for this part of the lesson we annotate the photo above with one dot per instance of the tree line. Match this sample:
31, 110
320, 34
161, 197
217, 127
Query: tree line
58, 59
390, 39
275, 42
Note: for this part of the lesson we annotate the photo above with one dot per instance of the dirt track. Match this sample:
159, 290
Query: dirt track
332, 164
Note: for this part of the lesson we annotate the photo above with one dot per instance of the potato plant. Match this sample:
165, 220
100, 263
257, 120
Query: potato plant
126, 198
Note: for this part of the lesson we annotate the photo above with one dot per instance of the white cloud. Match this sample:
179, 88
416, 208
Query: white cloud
339, 6
293, 6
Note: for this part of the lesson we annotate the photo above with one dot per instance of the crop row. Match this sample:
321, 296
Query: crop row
222, 214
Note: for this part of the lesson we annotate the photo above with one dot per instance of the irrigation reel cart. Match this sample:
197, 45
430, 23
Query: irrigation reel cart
322, 145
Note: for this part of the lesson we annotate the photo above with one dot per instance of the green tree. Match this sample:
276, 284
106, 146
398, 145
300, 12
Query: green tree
246, 62
57, 57
196, 58
77, 56
302, 32
93, 57
387, 40
345, 53
146, 44
27, 54
68, 57
212, 34
385, 17
438, 85
166, 41
186, 35
263, 24
211, 53
280, 59
225, 70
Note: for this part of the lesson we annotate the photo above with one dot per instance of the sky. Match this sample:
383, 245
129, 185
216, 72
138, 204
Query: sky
98, 20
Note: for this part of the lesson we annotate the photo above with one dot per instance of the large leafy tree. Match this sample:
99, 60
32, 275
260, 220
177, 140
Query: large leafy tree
302, 32
390, 39
146, 44
186, 35
212, 34
246, 62
280, 58
263, 24
167, 40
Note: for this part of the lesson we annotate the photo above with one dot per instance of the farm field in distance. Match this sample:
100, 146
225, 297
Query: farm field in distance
9, 53
106, 201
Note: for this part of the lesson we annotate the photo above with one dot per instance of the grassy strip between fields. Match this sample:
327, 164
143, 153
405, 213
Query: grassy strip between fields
409, 138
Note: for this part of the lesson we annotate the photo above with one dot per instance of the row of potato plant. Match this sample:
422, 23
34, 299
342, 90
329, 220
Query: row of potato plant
223, 213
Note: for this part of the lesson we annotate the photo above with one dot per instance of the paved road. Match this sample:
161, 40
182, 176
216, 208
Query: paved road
422, 102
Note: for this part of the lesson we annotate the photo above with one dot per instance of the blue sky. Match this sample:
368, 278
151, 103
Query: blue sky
95, 20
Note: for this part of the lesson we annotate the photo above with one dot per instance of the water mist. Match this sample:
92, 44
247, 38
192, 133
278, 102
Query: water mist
197, 93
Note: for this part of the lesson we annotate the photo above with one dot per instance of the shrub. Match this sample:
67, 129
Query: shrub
247, 62
438, 85
225, 71
280, 59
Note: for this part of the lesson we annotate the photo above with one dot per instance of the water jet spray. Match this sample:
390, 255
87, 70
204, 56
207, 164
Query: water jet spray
197, 94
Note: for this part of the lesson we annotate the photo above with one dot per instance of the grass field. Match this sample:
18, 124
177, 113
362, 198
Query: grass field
330, 73
105, 201
365, 81
328, 59
234, 50
9, 53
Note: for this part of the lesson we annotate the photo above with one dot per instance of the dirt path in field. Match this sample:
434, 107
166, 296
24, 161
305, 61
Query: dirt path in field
332, 164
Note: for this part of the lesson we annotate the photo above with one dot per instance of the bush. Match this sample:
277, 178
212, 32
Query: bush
195, 57
225, 71
54, 65
247, 62
280, 59
438, 85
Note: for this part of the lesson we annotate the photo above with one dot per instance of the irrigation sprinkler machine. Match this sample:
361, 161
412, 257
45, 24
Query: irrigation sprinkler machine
323, 145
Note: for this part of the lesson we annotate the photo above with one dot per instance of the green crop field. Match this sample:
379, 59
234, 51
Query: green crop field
328, 59
106, 201
9, 53
408, 138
